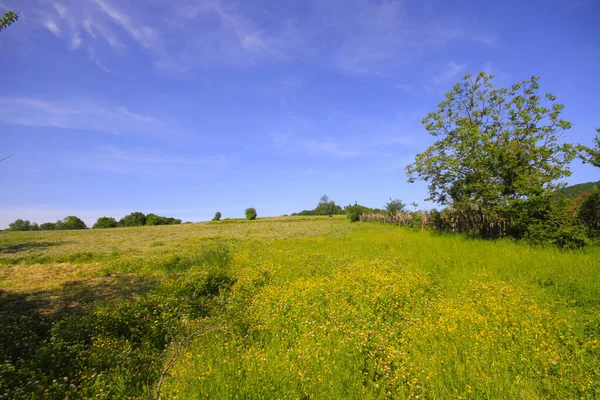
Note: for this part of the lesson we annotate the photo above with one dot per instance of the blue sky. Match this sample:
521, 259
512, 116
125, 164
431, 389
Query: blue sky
188, 107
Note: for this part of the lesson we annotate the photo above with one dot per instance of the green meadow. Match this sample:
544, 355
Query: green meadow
294, 308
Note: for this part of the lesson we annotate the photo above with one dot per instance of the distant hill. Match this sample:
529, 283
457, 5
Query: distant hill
575, 191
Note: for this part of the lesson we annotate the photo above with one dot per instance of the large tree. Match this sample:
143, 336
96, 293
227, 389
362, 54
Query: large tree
494, 146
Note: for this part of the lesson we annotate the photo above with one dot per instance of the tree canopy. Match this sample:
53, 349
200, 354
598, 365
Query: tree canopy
494, 146
8, 19
591, 154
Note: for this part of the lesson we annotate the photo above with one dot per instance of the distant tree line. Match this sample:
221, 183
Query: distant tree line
73, 222
70, 222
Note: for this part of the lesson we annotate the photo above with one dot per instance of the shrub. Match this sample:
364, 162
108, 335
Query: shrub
71, 222
217, 216
353, 213
395, 206
589, 213
251, 213
133, 219
48, 226
105, 222
547, 220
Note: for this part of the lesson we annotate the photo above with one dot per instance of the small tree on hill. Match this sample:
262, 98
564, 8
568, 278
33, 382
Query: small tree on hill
326, 206
250, 213
72, 222
217, 216
105, 222
395, 206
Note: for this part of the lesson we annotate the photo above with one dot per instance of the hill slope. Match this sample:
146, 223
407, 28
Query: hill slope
575, 191
299, 307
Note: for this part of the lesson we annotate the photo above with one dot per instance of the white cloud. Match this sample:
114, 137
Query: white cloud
143, 161
81, 114
60, 9
51, 25
314, 147
76, 41
449, 73
409, 89
356, 36
144, 35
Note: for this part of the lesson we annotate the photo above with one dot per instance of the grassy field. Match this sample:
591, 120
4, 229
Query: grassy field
295, 308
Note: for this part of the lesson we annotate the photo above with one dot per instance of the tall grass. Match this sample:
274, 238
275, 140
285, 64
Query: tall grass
322, 308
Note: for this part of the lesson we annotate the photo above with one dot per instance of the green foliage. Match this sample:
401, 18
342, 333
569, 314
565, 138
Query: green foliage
547, 220
105, 222
133, 219
217, 216
109, 350
395, 206
324, 207
48, 226
8, 19
250, 213
20, 225
353, 213
153, 219
589, 213
591, 154
495, 146
71, 222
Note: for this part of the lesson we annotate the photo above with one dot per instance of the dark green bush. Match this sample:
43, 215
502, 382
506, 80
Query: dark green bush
353, 213
105, 222
217, 216
250, 213
133, 219
589, 213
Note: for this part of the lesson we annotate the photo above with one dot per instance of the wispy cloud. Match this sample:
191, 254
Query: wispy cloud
80, 114
410, 89
315, 147
143, 161
451, 71
356, 36
51, 25
144, 35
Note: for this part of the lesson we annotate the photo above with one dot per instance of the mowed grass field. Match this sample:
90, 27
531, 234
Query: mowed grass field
315, 307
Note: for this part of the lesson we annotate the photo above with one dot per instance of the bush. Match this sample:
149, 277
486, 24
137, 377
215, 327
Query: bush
251, 213
353, 213
105, 222
217, 216
589, 213
71, 222
48, 226
133, 219
547, 220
